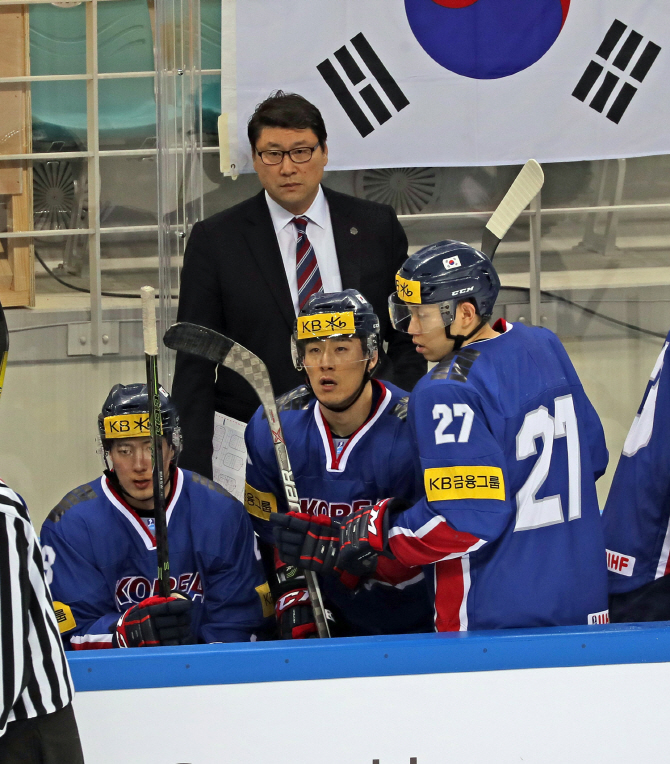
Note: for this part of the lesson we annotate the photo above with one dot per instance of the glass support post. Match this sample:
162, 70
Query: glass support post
179, 148
93, 160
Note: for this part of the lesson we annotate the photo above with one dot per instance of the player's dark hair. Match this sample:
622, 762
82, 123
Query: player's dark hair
474, 305
288, 110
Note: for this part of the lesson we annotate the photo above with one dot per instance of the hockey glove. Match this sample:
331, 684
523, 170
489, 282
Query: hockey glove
155, 621
306, 541
295, 616
364, 536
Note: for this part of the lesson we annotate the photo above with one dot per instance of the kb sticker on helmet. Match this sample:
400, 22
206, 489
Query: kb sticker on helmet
408, 291
451, 262
326, 325
127, 426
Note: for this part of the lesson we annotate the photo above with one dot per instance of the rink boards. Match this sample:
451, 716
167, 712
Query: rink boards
590, 694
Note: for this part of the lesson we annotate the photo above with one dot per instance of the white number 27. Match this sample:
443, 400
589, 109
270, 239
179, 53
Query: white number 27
531, 511
443, 412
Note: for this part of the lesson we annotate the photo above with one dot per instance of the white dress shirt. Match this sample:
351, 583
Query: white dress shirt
320, 234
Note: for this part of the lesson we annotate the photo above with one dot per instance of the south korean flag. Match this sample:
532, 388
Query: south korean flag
451, 262
448, 83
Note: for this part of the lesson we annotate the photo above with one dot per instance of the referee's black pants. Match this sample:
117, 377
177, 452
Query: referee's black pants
50, 739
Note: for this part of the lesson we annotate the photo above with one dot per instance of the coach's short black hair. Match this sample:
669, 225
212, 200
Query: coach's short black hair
286, 110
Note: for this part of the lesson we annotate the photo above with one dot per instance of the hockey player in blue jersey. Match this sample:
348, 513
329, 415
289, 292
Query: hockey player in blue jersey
510, 449
99, 546
349, 446
637, 512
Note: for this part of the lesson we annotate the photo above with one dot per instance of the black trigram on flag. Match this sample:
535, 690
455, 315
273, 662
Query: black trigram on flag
631, 64
347, 95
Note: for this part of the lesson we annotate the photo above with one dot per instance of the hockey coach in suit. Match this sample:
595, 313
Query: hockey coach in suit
249, 269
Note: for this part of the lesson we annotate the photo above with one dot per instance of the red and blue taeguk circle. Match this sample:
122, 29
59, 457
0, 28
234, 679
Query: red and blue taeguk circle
486, 39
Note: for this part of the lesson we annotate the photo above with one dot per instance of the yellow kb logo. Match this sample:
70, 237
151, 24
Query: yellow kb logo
409, 291
325, 325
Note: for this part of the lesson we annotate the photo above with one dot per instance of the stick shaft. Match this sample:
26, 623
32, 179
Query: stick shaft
293, 501
156, 427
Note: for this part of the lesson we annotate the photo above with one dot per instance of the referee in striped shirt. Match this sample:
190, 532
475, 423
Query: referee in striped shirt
37, 724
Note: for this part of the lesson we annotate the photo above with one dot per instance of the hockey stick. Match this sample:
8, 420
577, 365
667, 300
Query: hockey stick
525, 188
4, 347
156, 427
206, 343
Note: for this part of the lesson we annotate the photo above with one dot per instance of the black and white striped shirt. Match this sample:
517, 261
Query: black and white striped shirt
34, 675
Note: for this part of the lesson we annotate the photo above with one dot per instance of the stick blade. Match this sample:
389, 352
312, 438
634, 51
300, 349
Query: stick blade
525, 188
198, 340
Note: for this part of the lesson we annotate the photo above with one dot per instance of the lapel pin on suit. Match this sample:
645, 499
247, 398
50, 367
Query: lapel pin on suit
353, 230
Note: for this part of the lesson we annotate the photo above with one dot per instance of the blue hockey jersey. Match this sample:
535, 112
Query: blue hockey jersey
100, 559
333, 479
637, 512
510, 449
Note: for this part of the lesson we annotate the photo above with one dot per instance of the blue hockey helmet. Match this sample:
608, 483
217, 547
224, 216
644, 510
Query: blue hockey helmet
445, 273
335, 314
125, 414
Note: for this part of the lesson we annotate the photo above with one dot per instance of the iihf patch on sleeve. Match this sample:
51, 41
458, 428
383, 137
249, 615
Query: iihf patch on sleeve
620, 563
602, 617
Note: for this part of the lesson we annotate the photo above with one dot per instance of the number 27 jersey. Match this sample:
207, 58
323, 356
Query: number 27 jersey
510, 449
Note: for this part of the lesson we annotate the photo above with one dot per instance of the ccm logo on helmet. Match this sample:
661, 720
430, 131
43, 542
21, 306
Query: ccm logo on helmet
462, 291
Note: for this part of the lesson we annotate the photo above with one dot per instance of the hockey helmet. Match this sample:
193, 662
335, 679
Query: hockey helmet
445, 273
335, 314
125, 414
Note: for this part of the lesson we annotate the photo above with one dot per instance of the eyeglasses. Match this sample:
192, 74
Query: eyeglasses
299, 156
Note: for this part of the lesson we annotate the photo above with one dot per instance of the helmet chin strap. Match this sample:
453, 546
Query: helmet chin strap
459, 339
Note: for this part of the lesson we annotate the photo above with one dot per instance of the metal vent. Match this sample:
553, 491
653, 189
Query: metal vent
408, 190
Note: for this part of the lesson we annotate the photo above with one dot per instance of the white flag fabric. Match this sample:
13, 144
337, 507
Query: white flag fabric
420, 83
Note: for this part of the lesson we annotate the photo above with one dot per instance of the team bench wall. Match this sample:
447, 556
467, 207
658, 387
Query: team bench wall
588, 694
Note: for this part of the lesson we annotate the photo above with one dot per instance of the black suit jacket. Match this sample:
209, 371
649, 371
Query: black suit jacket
234, 282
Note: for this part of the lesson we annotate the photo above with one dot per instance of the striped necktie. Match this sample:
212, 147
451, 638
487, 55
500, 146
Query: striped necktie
309, 278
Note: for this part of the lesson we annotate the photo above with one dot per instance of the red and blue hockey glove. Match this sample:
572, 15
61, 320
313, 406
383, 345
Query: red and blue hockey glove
295, 616
155, 621
364, 536
311, 542
306, 541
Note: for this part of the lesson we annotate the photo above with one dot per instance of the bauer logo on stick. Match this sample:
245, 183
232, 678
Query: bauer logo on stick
325, 325
408, 291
